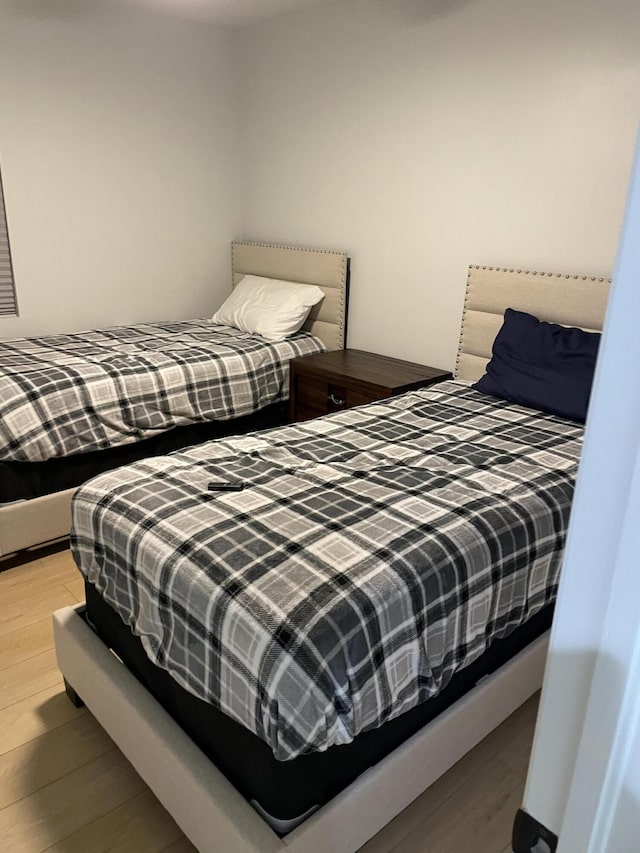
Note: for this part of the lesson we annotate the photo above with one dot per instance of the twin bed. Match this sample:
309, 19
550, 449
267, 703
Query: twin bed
73, 406
293, 633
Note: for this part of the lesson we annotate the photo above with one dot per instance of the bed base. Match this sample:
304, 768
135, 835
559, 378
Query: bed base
212, 813
25, 524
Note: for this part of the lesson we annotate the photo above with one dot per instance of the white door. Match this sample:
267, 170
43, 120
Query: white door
584, 778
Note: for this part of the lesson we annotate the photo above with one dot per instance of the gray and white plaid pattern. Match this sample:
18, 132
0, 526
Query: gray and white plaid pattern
66, 394
371, 554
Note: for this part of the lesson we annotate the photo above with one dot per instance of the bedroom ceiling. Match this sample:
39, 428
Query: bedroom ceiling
230, 12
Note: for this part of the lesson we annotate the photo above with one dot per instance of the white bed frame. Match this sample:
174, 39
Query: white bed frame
27, 524
209, 810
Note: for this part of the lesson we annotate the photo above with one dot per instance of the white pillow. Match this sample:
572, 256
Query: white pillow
268, 306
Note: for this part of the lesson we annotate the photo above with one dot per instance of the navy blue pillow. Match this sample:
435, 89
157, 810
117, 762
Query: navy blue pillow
542, 365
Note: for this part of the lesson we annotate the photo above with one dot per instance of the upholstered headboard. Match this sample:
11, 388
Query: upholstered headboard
571, 300
327, 269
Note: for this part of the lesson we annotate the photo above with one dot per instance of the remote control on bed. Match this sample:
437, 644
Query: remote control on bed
225, 487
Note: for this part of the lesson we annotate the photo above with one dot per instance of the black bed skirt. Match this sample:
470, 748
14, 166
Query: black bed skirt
27, 480
288, 789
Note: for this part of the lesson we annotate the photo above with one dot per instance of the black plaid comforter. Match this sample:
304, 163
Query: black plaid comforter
67, 394
371, 554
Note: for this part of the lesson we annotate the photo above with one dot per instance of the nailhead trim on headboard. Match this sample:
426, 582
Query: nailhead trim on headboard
520, 271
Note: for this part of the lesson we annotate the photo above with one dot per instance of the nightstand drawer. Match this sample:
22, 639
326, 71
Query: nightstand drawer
344, 396
317, 396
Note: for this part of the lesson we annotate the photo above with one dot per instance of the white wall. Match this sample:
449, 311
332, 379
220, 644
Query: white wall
424, 135
419, 135
117, 148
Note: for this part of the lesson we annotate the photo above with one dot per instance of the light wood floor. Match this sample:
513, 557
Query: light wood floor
66, 788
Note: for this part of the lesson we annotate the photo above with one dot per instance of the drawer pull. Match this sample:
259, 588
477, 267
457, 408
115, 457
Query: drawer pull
337, 401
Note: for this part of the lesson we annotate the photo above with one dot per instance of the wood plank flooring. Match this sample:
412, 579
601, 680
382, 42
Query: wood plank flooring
66, 788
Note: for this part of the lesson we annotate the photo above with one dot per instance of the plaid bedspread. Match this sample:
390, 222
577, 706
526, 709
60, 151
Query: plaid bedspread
370, 555
67, 394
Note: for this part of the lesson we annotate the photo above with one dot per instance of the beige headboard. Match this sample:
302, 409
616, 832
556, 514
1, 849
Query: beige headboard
571, 300
327, 269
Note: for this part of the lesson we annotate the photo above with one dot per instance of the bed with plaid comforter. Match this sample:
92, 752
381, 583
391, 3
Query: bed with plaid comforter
66, 394
370, 555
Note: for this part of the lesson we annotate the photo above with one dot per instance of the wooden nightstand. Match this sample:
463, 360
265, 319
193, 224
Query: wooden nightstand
336, 380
